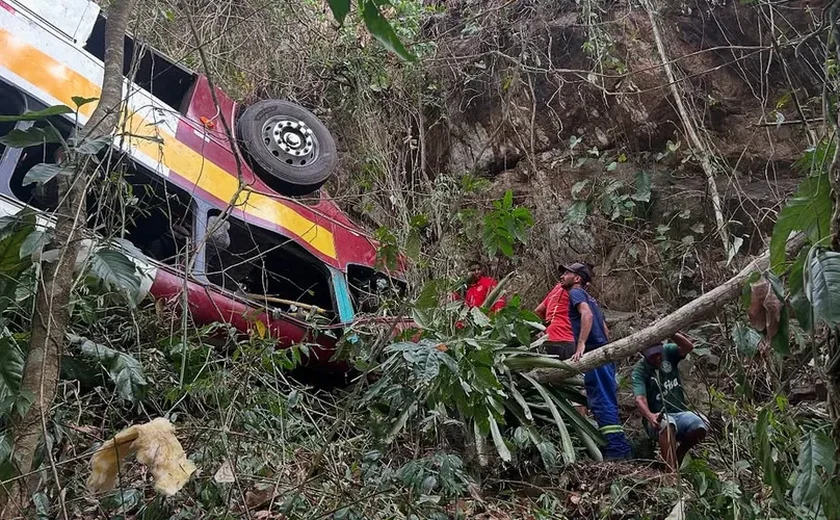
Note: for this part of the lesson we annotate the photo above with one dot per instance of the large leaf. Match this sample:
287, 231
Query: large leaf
340, 9
815, 468
11, 372
822, 285
124, 371
14, 231
37, 115
501, 447
808, 210
30, 137
746, 339
642, 187
382, 30
565, 439
44, 172
781, 341
802, 308
115, 269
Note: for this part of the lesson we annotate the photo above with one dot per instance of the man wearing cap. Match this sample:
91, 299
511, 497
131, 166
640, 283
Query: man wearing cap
590, 332
659, 396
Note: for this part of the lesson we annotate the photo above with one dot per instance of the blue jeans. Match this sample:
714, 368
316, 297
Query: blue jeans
683, 422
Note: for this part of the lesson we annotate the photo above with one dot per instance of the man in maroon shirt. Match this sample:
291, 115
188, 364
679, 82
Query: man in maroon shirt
479, 287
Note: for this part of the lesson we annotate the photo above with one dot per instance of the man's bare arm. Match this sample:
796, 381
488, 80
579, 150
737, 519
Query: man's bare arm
585, 329
540, 311
684, 345
642, 404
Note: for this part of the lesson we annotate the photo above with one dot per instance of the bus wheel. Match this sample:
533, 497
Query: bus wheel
290, 149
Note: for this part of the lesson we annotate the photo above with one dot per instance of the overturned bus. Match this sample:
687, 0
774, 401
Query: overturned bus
242, 225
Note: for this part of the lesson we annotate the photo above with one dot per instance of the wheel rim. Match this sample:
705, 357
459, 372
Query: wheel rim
290, 140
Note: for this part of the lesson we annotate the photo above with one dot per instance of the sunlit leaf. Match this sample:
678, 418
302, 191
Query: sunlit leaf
808, 210
501, 447
44, 172
39, 114
567, 447
33, 136
340, 9
115, 269
382, 30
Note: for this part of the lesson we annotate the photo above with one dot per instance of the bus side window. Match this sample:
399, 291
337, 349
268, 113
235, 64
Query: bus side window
256, 262
11, 104
43, 196
132, 201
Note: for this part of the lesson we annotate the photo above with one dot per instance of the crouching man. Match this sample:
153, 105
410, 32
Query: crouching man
659, 396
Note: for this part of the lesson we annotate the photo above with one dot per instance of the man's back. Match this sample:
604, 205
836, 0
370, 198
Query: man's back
598, 333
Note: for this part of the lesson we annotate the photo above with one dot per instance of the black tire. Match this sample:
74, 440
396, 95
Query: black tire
262, 138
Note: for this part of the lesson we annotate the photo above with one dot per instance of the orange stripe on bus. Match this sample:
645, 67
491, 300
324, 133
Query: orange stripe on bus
63, 83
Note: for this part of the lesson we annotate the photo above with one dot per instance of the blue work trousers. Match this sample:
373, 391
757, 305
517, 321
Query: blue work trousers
601, 394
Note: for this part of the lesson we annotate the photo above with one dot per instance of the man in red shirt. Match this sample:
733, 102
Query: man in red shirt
479, 287
554, 310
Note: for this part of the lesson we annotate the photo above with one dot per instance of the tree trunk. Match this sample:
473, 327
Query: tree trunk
52, 314
709, 303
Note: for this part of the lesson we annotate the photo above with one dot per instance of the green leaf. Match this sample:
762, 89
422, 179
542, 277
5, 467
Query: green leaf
56, 110
43, 173
400, 424
340, 9
808, 210
412, 245
12, 237
517, 396
642, 187
501, 447
125, 371
479, 317
566, 441
33, 136
11, 372
576, 213
746, 339
88, 146
822, 285
115, 269
34, 242
815, 468
428, 297
82, 101
781, 341
802, 308
5, 447
548, 454
382, 30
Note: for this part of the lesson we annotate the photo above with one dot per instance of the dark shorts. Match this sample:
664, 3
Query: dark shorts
562, 349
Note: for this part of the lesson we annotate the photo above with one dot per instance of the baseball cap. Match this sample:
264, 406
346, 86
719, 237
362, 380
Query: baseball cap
579, 269
652, 350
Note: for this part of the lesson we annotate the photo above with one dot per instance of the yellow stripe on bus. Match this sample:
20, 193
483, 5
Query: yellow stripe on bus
63, 83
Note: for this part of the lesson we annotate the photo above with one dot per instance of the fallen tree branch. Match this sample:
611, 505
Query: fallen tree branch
705, 305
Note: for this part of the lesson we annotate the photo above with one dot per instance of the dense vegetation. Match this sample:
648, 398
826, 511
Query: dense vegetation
453, 423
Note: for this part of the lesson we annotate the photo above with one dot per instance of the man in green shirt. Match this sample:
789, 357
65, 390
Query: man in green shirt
659, 396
